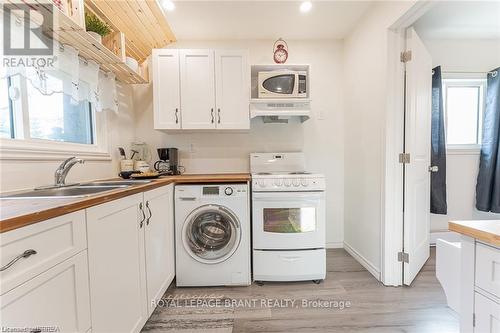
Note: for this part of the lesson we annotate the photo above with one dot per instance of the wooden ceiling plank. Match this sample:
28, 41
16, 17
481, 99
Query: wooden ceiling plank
147, 23
161, 19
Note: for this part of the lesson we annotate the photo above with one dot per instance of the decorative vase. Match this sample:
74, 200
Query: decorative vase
96, 36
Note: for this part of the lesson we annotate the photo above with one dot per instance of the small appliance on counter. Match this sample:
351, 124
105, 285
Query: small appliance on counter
168, 161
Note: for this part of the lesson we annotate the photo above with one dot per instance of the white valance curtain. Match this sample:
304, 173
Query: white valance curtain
69, 74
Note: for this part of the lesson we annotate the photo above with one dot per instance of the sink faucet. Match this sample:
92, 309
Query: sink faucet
63, 169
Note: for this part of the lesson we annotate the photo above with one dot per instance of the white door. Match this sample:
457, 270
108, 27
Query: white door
117, 271
159, 242
57, 298
417, 144
197, 89
232, 83
166, 89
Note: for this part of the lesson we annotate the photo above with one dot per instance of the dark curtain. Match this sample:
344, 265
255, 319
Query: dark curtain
438, 147
488, 179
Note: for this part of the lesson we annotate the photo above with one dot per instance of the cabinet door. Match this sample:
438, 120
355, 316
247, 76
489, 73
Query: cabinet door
487, 314
160, 258
166, 90
116, 265
58, 298
197, 89
232, 87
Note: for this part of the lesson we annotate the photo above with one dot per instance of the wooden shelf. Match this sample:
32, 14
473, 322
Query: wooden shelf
67, 31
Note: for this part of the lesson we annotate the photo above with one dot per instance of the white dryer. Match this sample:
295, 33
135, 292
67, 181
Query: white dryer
212, 235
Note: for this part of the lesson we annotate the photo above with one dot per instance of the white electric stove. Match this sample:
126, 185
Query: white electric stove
288, 219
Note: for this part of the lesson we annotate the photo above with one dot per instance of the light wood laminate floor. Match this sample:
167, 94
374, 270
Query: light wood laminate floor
373, 307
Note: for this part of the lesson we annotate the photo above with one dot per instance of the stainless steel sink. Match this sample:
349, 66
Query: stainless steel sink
79, 191
117, 183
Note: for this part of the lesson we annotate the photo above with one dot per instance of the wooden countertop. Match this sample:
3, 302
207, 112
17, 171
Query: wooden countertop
487, 231
16, 213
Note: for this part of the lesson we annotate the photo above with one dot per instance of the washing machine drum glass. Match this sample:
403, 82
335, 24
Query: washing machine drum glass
212, 234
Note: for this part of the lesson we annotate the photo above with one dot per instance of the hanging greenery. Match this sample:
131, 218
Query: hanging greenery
93, 23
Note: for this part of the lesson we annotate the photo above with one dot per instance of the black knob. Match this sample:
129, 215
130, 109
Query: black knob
228, 191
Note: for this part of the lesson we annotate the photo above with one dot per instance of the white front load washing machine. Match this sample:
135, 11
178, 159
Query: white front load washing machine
212, 235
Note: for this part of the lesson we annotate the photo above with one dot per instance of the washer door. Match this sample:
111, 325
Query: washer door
211, 234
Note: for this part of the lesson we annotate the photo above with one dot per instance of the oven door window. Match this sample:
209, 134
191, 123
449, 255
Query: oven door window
289, 220
280, 84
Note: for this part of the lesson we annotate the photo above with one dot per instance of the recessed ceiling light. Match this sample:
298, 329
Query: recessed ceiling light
305, 6
168, 5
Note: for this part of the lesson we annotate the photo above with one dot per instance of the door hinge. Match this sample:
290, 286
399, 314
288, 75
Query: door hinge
404, 158
405, 56
403, 257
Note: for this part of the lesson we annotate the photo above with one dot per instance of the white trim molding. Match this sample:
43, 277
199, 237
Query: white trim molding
334, 245
363, 261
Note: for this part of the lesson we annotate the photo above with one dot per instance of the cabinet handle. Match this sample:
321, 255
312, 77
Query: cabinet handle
218, 115
143, 215
150, 213
176, 115
25, 254
212, 114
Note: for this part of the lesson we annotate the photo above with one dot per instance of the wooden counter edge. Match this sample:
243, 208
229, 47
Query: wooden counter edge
35, 217
481, 235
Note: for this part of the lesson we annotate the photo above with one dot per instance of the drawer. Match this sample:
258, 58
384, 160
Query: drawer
488, 268
487, 314
289, 265
53, 240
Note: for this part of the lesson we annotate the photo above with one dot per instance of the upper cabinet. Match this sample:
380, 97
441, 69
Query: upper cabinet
201, 89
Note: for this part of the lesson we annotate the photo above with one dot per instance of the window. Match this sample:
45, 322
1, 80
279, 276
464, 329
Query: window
464, 105
35, 124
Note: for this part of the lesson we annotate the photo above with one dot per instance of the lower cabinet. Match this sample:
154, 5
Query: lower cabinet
487, 314
115, 233
56, 300
159, 243
131, 258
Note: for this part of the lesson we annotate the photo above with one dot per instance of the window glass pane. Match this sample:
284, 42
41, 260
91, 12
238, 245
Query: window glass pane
5, 111
462, 111
289, 220
54, 117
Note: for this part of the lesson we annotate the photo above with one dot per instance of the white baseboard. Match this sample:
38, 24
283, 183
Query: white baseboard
334, 245
363, 261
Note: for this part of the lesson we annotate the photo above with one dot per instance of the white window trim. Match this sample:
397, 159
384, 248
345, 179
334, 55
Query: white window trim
462, 80
24, 148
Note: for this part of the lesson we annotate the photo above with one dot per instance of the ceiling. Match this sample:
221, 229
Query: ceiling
212, 20
461, 20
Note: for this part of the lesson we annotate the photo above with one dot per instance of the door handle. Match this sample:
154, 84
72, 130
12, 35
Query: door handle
143, 215
433, 168
218, 115
150, 213
25, 254
187, 199
212, 114
176, 115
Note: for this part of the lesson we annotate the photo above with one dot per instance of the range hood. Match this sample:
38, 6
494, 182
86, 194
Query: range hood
280, 110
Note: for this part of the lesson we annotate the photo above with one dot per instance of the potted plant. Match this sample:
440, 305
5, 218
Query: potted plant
96, 27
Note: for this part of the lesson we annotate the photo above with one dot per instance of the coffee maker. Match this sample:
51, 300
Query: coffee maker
169, 161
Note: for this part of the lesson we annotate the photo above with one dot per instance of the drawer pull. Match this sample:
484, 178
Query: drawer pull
290, 258
143, 216
25, 254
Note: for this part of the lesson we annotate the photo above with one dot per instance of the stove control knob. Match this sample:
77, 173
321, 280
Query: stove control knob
262, 183
296, 182
278, 182
304, 182
287, 182
228, 191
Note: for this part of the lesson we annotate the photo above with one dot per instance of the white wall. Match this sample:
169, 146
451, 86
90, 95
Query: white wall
321, 140
462, 55
15, 175
365, 63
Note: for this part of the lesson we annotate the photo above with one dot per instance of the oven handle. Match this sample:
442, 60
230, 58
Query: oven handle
287, 196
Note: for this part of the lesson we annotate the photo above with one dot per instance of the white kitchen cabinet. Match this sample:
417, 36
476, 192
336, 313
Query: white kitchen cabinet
57, 298
166, 89
232, 88
197, 89
487, 313
159, 243
201, 89
115, 233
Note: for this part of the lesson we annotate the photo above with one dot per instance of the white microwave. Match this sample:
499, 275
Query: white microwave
282, 84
